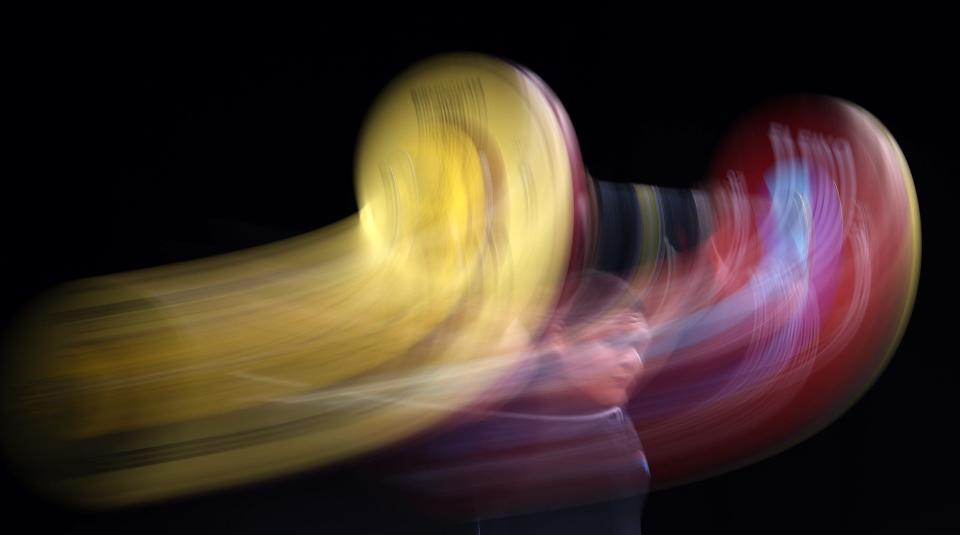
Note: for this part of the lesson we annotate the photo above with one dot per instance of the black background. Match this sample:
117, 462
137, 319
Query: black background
142, 147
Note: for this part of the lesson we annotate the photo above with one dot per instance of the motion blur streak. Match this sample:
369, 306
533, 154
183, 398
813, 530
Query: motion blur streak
771, 298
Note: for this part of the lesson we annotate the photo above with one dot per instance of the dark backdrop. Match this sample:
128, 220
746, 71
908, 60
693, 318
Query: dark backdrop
142, 147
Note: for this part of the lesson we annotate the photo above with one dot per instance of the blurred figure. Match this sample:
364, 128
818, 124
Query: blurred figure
562, 456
